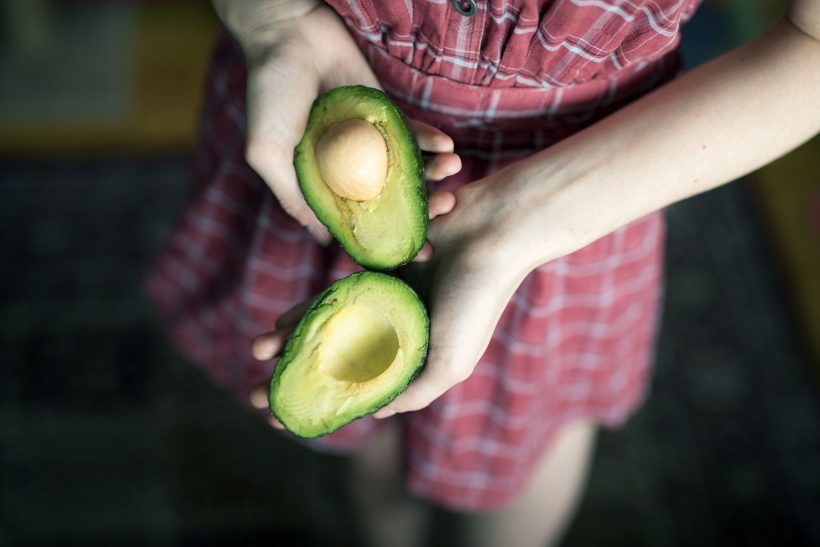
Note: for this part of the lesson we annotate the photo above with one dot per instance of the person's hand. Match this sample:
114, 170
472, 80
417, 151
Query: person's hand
467, 284
270, 344
312, 55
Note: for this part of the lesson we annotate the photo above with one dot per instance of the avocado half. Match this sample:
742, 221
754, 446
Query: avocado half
357, 348
388, 230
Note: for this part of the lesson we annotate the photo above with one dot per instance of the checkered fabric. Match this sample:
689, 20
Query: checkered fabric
576, 339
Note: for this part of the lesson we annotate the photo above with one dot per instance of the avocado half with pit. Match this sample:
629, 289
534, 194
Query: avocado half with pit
361, 172
357, 348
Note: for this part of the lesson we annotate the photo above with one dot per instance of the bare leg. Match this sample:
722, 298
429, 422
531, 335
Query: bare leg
539, 517
390, 515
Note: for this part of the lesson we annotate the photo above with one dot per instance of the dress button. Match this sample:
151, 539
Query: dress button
465, 7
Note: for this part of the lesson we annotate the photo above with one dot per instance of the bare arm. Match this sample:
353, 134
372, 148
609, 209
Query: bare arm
709, 127
258, 23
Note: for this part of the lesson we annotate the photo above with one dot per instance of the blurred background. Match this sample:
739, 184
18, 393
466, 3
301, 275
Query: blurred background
108, 436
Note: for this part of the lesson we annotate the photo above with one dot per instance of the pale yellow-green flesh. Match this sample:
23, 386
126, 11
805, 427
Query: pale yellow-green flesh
359, 345
358, 218
349, 357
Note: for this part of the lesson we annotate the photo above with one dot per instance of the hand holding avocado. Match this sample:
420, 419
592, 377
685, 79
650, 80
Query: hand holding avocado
303, 58
270, 345
467, 284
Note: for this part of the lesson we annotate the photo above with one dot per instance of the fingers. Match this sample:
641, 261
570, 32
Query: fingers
444, 163
268, 345
431, 139
440, 203
441, 166
429, 386
425, 254
258, 398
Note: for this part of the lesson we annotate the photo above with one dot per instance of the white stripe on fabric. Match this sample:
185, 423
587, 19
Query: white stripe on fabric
195, 253
592, 30
606, 330
456, 111
489, 64
502, 10
217, 228
289, 272
436, 55
354, 7
614, 58
461, 41
216, 196
565, 267
569, 47
610, 8
591, 301
494, 99
506, 16
439, 56
496, 413
526, 30
291, 236
233, 313
253, 299
556, 102
655, 24
179, 273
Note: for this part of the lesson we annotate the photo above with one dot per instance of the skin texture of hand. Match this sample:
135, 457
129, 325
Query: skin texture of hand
466, 285
311, 56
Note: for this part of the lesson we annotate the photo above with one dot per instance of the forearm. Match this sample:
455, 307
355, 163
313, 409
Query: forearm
709, 127
259, 23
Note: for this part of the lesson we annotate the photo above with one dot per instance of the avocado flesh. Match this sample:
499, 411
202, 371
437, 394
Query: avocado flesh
357, 347
388, 230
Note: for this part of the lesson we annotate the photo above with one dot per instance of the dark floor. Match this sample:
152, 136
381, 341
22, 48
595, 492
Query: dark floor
107, 437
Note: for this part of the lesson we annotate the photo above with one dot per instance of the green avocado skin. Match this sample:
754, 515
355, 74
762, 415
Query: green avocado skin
392, 287
397, 220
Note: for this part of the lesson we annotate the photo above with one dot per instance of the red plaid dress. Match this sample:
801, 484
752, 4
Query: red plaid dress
576, 339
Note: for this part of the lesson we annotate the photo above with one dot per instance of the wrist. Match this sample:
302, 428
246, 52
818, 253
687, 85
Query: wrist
540, 210
262, 28
317, 39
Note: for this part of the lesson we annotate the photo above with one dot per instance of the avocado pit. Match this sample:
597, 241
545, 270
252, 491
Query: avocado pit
359, 344
352, 159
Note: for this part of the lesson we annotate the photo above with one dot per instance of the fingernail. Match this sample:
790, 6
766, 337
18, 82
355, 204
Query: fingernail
384, 414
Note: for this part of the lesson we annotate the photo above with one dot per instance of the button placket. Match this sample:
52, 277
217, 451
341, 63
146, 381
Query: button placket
465, 7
